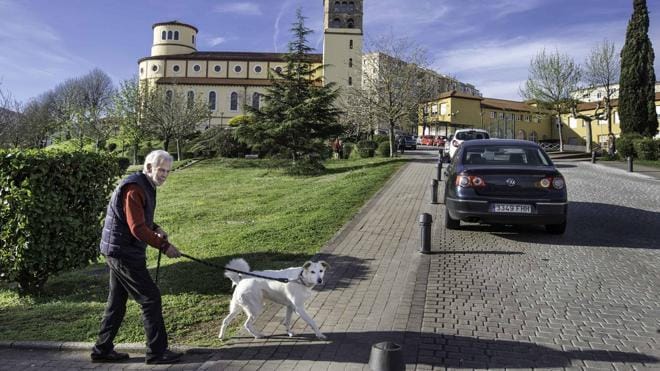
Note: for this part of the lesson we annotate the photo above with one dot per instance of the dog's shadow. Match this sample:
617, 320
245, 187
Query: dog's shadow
439, 350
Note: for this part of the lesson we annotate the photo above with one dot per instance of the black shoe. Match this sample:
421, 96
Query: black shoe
109, 357
162, 359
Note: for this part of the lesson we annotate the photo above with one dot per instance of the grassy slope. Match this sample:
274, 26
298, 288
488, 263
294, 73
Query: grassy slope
214, 210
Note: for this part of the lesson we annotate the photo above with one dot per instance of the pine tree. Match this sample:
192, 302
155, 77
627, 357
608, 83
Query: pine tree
637, 84
298, 116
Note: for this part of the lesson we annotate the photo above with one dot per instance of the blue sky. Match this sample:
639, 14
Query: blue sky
488, 43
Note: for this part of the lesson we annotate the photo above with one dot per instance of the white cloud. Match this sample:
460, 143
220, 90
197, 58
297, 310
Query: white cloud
215, 41
239, 8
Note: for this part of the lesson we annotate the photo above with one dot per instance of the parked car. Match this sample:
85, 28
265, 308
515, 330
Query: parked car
409, 142
504, 181
462, 135
439, 141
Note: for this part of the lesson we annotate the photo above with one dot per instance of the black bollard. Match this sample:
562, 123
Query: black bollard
593, 157
438, 171
434, 191
630, 164
425, 222
386, 356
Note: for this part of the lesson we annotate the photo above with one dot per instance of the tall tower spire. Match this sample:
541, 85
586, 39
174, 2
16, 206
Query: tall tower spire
342, 42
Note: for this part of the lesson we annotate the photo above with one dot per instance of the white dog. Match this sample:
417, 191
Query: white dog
251, 291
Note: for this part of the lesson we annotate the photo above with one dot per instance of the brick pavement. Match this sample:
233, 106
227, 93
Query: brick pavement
486, 298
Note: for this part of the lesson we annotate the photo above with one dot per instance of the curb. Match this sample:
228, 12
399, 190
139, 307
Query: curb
74, 345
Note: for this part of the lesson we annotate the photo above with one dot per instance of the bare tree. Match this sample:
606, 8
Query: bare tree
175, 114
394, 81
131, 110
552, 78
11, 131
602, 70
96, 92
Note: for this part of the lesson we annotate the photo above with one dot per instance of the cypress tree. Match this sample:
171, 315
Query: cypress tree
637, 83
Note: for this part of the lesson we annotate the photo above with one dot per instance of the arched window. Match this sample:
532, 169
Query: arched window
233, 101
350, 44
351, 6
193, 39
168, 96
335, 23
169, 35
350, 23
350, 81
337, 6
533, 136
212, 101
191, 98
163, 35
256, 99
350, 62
176, 35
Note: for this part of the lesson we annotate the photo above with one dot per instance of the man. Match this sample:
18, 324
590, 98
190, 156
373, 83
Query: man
129, 227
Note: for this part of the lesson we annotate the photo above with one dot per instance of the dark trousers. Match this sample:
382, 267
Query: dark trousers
131, 277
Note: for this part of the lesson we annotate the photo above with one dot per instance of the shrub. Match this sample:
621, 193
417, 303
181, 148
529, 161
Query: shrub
306, 166
346, 150
625, 145
218, 141
112, 147
384, 149
51, 212
646, 149
381, 138
366, 148
124, 163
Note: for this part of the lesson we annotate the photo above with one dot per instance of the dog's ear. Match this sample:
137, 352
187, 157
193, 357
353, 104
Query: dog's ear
324, 264
307, 264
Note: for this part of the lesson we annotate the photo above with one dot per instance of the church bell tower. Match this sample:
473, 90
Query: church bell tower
342, 42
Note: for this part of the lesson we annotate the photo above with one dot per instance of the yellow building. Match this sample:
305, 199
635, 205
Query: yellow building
502, 118
230, 80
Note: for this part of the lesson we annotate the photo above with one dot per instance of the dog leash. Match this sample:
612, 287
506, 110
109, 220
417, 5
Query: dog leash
283, 280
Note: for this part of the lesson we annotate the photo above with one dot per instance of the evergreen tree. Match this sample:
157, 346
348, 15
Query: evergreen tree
637, 84
298, 116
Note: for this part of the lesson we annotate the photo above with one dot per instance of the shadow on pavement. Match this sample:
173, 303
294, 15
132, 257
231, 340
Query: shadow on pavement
428, 348
597, 224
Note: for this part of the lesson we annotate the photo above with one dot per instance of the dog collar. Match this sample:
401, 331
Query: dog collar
302, 281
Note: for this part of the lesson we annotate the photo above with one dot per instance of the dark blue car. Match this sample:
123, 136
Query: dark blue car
501, 181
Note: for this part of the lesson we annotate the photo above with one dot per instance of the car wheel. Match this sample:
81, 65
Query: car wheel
451, 223
556, 228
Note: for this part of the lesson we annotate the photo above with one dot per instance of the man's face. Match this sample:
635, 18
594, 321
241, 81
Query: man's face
159, 174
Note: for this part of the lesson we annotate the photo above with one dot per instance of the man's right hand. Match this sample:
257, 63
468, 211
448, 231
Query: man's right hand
172, 252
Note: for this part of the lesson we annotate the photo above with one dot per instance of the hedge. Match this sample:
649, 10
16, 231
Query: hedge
51, 210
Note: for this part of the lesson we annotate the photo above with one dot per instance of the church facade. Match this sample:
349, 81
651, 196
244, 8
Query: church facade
231, 80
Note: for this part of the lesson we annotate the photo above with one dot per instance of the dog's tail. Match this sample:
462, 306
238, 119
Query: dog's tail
239, 265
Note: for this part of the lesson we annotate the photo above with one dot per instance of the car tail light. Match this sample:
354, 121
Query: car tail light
470, 181
552, 182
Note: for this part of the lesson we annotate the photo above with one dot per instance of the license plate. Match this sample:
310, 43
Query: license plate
511, 208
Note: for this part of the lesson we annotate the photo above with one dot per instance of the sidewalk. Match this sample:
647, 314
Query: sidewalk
375, 292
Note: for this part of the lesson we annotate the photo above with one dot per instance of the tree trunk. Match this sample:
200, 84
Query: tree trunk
561, 139
178, 150
392, 144
611, 140
589, 134
135, 153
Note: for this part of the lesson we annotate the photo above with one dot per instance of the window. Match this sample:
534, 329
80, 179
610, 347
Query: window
501, 115
350, 44
533, 136
175, 68
443, 108
350, 23
191, 98
492, 114
168, 96
154, 68
657, 111
278, 69
350, 81
196, 68
163, 35
335, 23
572, 122
193, 39
169, 35
616, 117
351, 6
237, 69
176, 35
257, 69
212, 101
434, 108
350, 62
141, 71
233, 101
256, 98
217, 68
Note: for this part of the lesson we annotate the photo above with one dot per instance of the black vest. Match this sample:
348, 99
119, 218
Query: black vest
116, 239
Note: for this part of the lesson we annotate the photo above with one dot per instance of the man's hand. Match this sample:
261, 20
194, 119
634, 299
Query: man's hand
172, 252
161, 233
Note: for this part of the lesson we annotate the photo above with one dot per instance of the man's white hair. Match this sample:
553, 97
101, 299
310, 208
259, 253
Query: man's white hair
155, 158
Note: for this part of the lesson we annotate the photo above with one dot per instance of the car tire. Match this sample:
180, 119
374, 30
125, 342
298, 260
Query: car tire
556, 228
451, 223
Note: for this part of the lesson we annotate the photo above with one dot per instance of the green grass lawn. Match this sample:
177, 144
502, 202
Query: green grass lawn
214, 210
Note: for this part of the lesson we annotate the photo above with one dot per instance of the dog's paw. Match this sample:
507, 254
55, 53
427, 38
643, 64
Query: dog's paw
258, 336
321, 337
291, 334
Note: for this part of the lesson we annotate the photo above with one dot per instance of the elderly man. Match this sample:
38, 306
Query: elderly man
129, 227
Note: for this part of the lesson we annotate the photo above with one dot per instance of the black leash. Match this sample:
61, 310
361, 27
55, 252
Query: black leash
160, 252
283, 280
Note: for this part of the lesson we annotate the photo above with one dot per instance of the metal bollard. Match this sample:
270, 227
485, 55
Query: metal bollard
386, 356
434, 191
593, 157
630, 164
438, 171
425, 222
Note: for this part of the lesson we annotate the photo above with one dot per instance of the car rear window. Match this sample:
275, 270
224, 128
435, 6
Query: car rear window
505, 155
469, 135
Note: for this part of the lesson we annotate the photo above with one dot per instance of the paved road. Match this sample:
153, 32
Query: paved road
486, 297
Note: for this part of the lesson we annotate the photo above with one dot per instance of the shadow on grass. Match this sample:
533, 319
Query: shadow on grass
187, 276
345, 169
440, 350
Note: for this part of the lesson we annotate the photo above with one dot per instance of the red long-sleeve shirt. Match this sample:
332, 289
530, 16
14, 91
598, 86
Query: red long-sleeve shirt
134, 207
